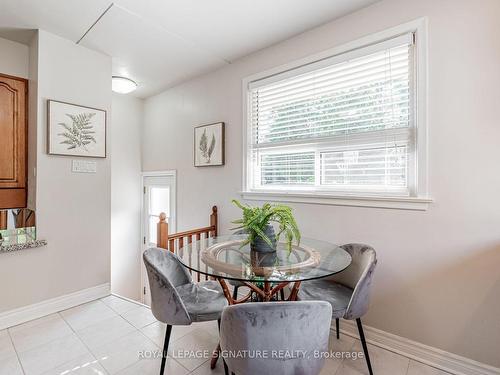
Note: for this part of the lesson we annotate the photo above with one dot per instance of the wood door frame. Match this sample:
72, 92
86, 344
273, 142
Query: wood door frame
163, 173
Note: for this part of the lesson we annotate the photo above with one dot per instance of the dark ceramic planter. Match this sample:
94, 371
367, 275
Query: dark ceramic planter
259, 259
261, 246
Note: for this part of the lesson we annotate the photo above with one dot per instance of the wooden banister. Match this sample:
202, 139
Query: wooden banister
167, 241
190, 232
162, 232
213, 220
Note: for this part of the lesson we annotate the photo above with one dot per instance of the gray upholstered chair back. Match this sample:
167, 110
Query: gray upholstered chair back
273, 326
358, 276
164, 274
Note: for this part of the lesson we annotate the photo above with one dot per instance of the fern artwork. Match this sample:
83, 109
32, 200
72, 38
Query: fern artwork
76, 130
209, 145
207, 151
80, 133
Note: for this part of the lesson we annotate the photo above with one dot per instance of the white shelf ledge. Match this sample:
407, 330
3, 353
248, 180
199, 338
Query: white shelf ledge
399, 203
7, 247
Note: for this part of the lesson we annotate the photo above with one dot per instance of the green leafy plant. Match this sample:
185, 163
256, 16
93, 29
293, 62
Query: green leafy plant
256, 219
206, 150
80, 132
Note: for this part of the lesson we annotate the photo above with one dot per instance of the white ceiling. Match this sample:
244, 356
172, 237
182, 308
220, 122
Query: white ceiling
160, 43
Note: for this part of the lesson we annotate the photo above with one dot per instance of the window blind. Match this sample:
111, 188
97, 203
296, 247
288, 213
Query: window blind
343, 124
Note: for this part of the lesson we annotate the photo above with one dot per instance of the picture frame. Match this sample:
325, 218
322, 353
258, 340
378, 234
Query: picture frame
76, 130
209, 145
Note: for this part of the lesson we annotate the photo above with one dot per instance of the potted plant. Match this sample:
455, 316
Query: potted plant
257, 221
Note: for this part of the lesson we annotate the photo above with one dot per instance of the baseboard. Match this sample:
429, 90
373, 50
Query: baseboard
24, 314
130, 300
434, 357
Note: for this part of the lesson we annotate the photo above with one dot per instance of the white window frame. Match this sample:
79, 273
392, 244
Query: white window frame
420, 200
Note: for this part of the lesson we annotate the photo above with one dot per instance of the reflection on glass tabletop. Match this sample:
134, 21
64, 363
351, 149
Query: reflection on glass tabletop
224, 256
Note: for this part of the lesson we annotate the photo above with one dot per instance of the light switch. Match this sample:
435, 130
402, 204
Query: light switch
84, 166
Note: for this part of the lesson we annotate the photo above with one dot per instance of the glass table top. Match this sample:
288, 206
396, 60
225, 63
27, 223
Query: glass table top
223, 256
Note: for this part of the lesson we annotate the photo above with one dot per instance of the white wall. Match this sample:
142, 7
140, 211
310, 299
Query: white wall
14, 58
73, 210
438, 279
126, 196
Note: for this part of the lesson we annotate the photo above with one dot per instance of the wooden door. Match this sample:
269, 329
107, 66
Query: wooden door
13, 141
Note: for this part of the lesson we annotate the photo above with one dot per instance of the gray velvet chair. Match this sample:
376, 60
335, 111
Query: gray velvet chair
175, 299
348, 291
271, 327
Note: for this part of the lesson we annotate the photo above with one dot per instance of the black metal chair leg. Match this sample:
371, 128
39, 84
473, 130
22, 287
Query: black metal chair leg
282, 293
235, 292
337, 326
165, 348
226, 369
365, 347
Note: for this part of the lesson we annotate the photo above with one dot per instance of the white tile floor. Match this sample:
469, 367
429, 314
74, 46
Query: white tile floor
105, 337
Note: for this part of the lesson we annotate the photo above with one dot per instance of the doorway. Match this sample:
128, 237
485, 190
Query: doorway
159, 195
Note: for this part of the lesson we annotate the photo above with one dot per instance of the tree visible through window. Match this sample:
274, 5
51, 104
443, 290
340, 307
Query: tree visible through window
340, 126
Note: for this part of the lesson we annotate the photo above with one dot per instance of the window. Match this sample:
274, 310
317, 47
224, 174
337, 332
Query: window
344, 125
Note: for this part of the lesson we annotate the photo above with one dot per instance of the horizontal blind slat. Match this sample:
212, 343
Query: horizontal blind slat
369, 94
337, 70
346, 86
339, 107
368, 111
327, 80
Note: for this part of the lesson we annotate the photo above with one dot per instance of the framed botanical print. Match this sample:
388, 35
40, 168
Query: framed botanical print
209, 145
75, 130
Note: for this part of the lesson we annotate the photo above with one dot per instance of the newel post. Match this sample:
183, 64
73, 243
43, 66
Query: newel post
213, 220
162, 232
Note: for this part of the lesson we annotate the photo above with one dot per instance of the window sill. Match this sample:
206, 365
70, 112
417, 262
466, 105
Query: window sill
399, 203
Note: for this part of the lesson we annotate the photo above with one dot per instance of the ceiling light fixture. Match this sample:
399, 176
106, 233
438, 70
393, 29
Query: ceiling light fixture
122, 85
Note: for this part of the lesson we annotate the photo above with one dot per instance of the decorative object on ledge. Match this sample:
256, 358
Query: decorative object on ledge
7, 247
16, 218
257, 221
75, 130
17, 230
209, 145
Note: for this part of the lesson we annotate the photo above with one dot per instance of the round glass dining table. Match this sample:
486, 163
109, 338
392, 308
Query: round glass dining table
266, 274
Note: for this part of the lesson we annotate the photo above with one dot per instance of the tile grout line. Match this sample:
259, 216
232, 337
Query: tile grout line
79, 339
349, 349
117, 315
161, 349
408, 367
15, 350
39, 345
197, 367
138, 330
137, 305
48, 342
122, 317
